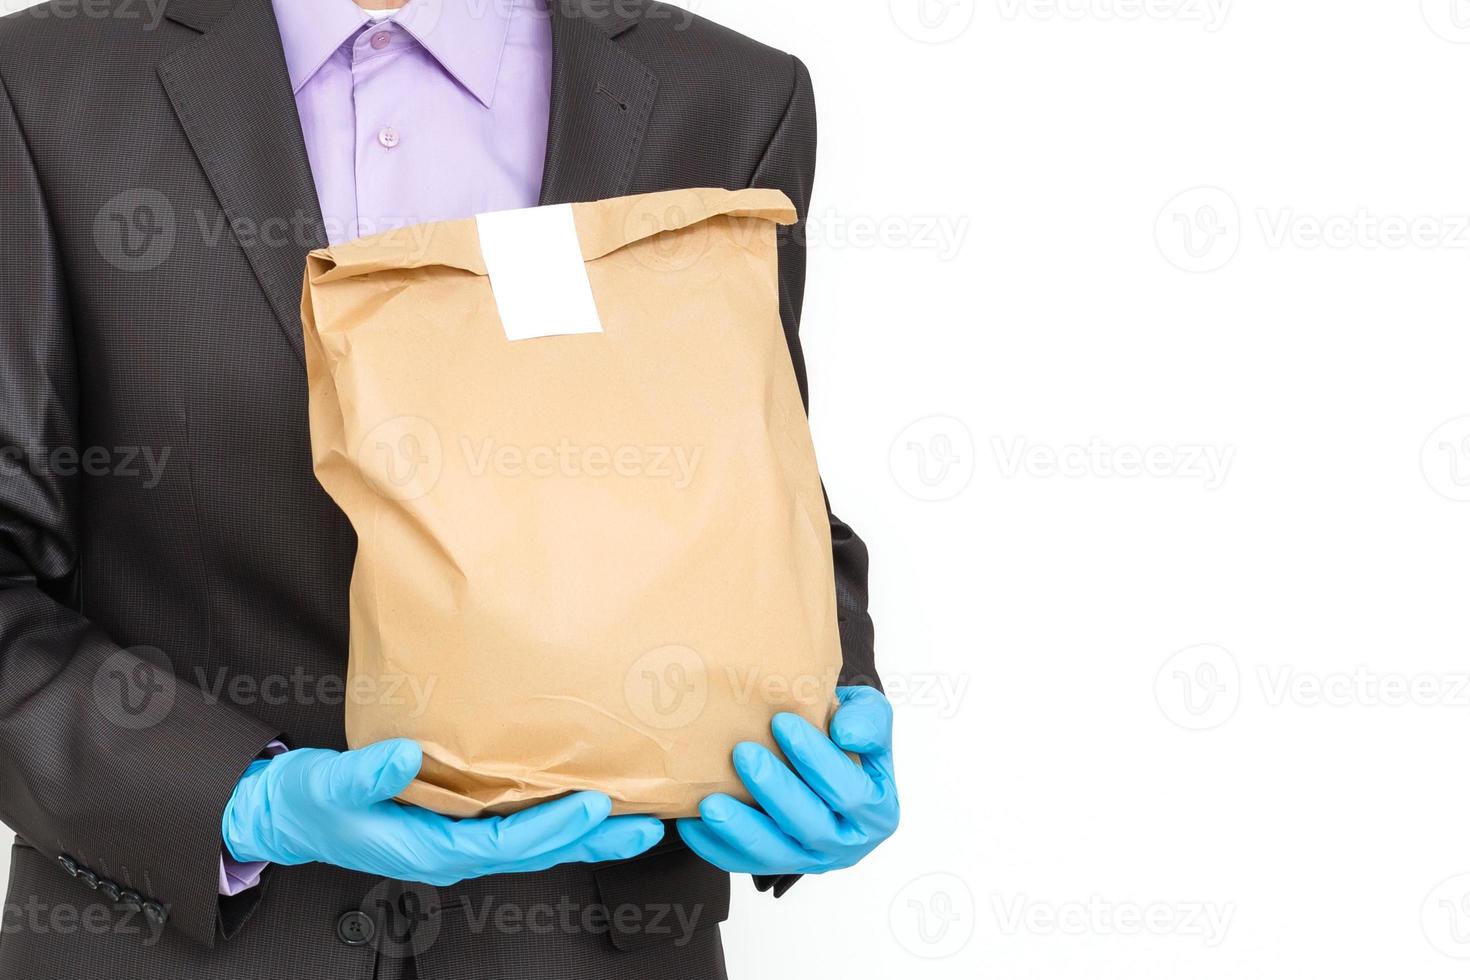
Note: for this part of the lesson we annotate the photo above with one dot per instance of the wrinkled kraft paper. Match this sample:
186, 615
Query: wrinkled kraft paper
594, 560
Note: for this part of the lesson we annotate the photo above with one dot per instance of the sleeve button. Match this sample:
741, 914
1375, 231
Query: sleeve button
88, 877
109, 890
131, 901
155, 913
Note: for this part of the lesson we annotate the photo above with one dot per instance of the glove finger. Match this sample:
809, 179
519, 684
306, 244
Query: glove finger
713, 850
864, 721
751, 832
616, 839
373, 774
799, 812
530, 833
845, 786
864, 724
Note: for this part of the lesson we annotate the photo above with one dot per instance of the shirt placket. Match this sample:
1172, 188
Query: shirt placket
370, 49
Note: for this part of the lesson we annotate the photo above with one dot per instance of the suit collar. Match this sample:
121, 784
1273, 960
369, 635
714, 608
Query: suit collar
232, 95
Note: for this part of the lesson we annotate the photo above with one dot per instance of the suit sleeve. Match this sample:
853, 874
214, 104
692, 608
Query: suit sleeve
110, 764
789, 164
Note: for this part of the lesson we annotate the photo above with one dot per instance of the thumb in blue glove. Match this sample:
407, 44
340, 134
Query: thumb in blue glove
337, 808
822, 812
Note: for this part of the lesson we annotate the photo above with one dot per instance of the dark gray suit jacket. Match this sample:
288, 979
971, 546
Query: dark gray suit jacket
173, 581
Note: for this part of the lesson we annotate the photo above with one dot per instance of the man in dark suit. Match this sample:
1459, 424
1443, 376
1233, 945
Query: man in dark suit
173, 581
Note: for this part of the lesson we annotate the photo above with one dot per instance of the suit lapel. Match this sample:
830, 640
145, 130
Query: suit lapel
231, 93
601, 98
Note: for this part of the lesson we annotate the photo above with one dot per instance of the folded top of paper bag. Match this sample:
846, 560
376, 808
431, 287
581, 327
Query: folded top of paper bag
602, 227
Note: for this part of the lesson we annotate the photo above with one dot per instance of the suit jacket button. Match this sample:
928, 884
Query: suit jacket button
356, 929
70, 864
109, 890
87, 877
155, 913
131, 901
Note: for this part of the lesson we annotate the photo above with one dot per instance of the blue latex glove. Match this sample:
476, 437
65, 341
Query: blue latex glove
829, 813
337, 808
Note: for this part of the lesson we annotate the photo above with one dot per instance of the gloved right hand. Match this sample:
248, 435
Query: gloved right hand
337, 808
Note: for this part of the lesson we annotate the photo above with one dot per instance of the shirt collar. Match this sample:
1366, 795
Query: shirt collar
311, 30
466, 37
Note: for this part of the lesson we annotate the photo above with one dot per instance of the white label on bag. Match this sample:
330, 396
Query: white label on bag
537, 273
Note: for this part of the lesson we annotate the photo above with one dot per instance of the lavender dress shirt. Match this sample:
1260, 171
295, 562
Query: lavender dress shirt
434, 111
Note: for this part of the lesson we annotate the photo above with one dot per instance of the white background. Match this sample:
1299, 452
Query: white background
1137, 338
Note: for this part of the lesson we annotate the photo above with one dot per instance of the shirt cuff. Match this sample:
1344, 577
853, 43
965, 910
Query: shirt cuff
240, 876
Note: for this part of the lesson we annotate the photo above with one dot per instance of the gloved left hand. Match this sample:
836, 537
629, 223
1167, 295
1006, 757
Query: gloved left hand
829, 813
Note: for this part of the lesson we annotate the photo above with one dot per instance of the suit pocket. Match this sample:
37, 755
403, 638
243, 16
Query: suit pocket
665, 896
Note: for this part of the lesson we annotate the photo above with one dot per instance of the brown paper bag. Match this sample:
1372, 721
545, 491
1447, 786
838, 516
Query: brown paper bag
586, 561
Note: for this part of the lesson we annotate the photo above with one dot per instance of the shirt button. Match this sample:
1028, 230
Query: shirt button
388, 136
380, 40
